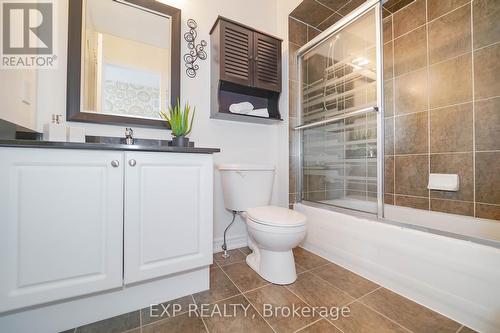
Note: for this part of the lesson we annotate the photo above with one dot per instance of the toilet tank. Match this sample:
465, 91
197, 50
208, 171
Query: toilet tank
245, 186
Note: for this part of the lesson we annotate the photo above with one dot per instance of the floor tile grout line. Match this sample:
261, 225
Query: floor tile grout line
248, 301
236, 262
391, 320
305, 271
360, 300
368, 293
161, 320
201, 317
316, 267
343, 291
308, 325
241, 292
244, 296
254, 289
309, 305
459, 329
330, 284
253, 306
225, 298
331, 262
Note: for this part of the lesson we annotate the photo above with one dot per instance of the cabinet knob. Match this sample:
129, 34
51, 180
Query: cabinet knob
132, 163
115, 163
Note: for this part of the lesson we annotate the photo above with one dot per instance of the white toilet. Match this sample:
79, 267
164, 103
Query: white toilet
272, 231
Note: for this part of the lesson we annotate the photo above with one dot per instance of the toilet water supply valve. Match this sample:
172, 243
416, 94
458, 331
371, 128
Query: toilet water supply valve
224, 244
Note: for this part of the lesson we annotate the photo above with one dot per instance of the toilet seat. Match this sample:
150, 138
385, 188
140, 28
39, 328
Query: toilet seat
276, 216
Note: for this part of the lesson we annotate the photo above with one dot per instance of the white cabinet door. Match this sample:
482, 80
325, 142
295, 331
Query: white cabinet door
61, 215
168, 214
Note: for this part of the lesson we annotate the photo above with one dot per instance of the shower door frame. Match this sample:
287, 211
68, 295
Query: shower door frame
369, 5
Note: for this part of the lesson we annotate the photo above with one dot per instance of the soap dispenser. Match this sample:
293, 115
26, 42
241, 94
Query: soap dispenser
54, 131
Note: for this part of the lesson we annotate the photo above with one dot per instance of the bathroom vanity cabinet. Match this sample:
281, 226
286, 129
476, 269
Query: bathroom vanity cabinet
78, 222
168, 214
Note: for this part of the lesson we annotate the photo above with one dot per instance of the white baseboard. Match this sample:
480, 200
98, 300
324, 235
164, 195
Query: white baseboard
70, 314
233, 242
456, 278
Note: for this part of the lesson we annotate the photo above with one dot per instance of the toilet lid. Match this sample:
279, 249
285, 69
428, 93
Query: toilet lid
272, 215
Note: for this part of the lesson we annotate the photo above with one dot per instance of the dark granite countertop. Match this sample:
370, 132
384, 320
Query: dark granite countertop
139, 146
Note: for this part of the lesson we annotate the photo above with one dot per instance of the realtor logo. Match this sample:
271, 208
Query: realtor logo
27, 34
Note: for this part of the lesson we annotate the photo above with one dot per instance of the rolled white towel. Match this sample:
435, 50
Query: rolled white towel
259, 113
243, 107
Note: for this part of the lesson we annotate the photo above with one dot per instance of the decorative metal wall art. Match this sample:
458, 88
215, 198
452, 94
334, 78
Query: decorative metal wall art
196, 51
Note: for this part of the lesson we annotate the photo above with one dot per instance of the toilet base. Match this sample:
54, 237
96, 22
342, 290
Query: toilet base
275, 267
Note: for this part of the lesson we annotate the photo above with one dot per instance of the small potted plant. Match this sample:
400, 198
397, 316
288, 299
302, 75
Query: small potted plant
180, 124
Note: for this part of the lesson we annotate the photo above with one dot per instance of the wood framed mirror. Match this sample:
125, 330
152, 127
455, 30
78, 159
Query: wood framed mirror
123, 61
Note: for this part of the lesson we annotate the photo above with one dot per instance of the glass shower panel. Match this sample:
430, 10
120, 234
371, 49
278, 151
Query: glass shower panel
339, 120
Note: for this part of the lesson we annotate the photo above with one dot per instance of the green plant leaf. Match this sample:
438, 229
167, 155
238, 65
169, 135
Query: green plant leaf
191, 124
178, 118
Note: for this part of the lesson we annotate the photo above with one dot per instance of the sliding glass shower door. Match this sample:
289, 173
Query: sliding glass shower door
340, 105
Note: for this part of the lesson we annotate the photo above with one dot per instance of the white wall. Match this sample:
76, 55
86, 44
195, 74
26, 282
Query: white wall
239, 142
17, 85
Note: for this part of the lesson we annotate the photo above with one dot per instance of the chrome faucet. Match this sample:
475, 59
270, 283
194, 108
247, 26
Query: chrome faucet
129, 136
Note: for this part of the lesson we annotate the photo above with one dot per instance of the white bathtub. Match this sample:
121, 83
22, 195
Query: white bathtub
455, 277
361, 205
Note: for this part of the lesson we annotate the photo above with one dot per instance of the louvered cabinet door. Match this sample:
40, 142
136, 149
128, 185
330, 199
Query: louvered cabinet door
236, 60
267, 67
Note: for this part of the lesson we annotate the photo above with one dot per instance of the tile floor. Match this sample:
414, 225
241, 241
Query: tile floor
320, 283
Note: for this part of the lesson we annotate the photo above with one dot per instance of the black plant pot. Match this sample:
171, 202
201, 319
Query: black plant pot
180, 141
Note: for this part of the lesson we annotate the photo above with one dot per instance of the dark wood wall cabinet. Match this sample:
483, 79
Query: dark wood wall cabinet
246, 67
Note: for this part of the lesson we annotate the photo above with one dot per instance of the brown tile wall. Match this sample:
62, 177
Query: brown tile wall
442, 95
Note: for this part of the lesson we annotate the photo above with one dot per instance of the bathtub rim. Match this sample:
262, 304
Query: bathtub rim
374, 218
